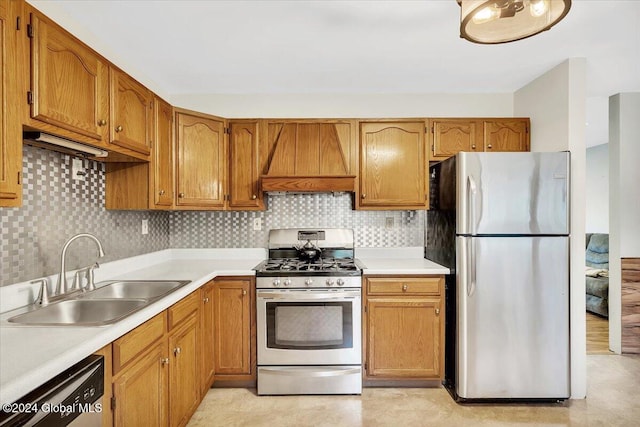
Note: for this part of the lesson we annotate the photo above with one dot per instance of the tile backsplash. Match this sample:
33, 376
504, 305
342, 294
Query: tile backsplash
235, 229
55, 207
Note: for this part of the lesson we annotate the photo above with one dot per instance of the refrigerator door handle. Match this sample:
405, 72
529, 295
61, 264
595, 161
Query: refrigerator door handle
471, 284
472, 189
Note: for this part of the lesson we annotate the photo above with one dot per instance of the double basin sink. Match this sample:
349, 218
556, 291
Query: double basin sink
103, 306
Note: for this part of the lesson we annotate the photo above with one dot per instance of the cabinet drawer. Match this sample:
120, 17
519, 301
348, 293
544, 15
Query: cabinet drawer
183, 308
403, 285
128, 346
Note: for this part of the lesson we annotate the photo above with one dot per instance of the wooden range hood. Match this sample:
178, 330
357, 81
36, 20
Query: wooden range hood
311, 156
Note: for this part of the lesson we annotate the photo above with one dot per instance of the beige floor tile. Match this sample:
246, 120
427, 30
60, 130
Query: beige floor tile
612, 400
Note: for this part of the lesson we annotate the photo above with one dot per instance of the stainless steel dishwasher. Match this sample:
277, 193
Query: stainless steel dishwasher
72, 398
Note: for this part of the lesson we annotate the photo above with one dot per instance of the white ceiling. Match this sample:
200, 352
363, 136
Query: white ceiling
201, 47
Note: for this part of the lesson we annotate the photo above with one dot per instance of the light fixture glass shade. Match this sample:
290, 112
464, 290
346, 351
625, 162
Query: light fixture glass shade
502, 21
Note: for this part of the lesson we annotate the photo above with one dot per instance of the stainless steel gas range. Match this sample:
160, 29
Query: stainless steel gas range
309, 319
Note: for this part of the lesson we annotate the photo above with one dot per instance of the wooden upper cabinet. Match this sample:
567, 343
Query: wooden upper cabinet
162, 156
506, 135
244, 168
200, 161
69, 82
10, 129
451, 136
393, 172
131, 113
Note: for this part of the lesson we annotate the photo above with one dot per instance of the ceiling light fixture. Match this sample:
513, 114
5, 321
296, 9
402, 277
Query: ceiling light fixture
502, 21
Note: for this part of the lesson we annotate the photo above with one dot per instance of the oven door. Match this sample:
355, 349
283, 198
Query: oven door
309, 327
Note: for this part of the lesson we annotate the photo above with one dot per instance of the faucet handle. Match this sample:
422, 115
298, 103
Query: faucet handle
77, 280
43, 296
91, 284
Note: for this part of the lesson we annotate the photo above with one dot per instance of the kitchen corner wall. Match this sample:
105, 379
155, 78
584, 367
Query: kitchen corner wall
56, 207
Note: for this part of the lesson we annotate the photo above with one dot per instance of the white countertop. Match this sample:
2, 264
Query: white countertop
397, 261
29, 356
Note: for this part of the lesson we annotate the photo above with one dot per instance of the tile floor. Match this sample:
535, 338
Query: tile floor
614, 384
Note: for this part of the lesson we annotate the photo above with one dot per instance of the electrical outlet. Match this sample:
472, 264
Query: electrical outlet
77, 169
145, 226
257, 224
388, 222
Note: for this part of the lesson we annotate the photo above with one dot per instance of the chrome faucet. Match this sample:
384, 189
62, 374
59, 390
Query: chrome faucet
62, 287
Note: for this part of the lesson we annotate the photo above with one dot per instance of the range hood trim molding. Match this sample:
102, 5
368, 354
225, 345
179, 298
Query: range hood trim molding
46, 140
308, 184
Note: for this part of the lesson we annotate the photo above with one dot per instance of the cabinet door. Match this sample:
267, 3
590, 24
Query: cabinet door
141, 391
232, 327
10, 129
184, 383
404, 336
243, 166
207, 338
200, 162
131, 113
69, 84
506, 135
392, 165
452, 136
162, 157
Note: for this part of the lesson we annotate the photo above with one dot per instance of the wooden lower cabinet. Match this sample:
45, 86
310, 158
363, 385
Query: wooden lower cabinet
141, 390
404, 328
184, 381
207, 337
234, 329
156, 368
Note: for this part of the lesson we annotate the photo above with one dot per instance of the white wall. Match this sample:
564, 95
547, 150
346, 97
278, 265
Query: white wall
624, 195
597, 192
556, 103
315, 105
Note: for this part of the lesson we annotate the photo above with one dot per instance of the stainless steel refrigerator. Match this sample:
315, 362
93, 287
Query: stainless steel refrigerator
500, 221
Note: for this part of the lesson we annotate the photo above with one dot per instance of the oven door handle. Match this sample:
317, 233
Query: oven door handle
309, 372
346, 295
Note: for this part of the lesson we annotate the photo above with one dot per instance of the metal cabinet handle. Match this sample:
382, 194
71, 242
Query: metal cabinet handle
489, 146
437, 311
253, 197
164, 360
206, 300
244, 292
404, 287
118, 128
102, 122
473, 147
364, 196
181, 195
161, 192
177, 351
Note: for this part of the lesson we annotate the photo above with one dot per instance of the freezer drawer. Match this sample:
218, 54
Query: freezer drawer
512, 193
513, 318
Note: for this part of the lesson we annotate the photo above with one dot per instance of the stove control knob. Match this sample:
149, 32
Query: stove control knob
340, 282
330, 282
276, 282
287, 282
308, 282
